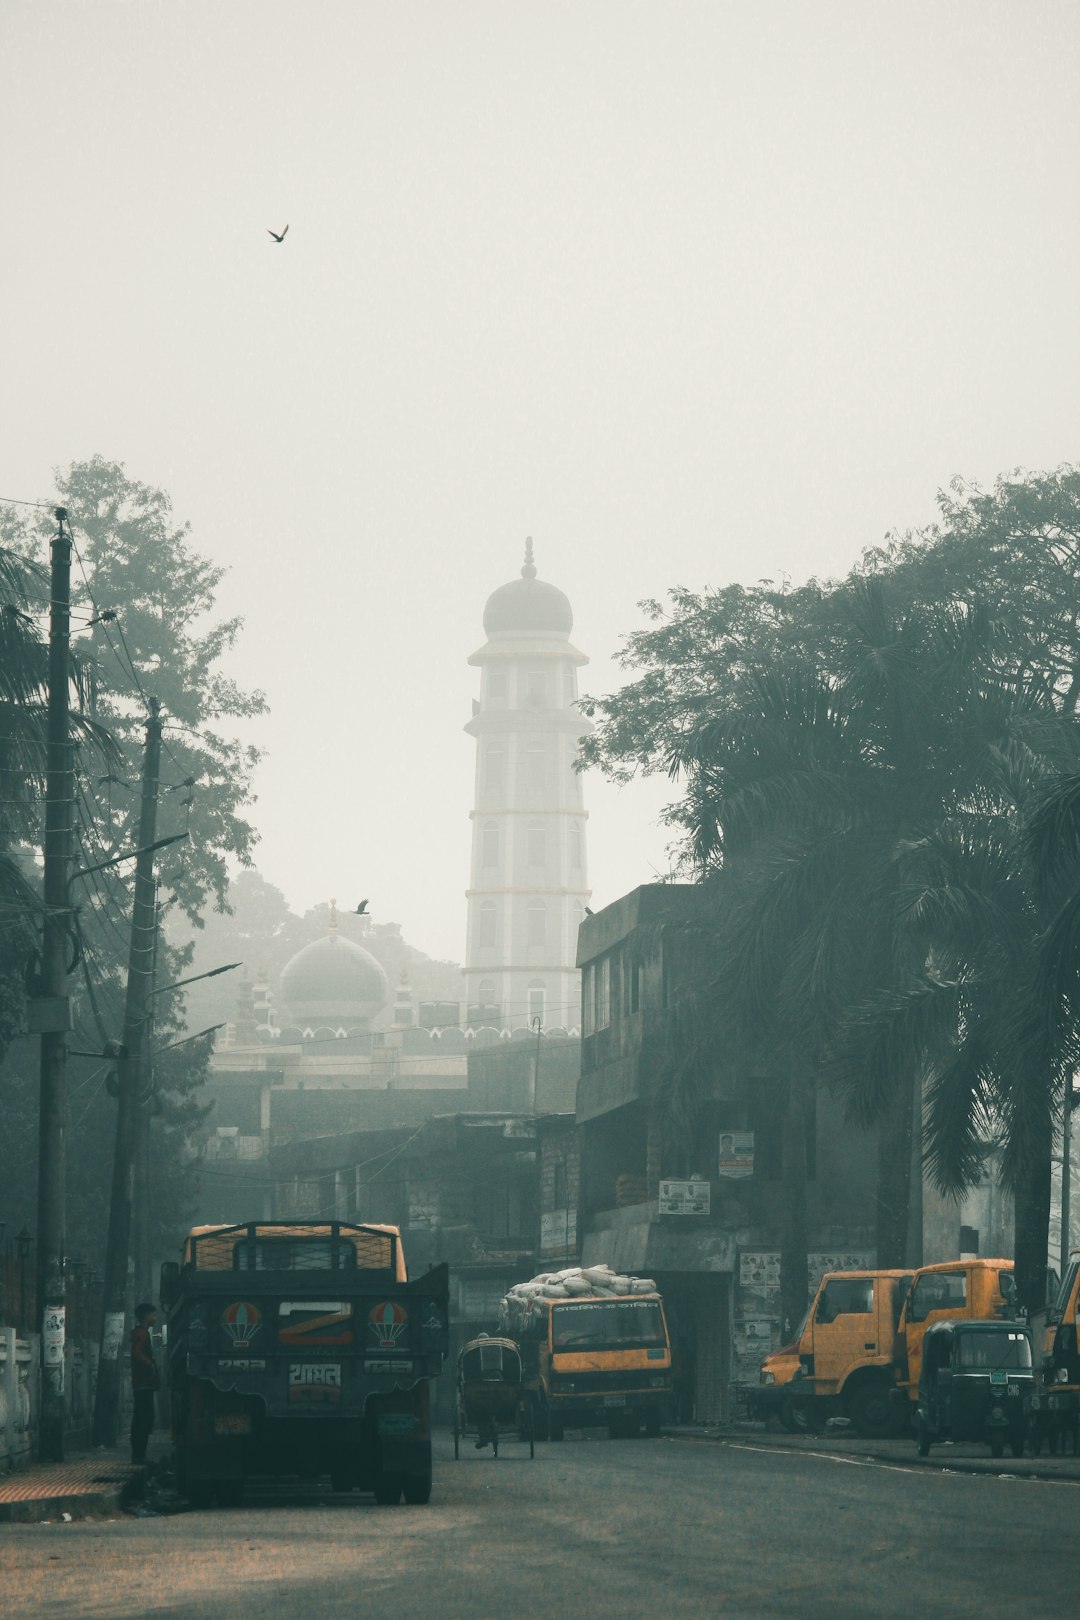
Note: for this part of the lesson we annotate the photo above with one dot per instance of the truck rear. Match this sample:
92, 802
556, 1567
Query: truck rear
300, 1348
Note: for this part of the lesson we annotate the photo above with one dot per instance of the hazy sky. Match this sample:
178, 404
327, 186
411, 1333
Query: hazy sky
688, 292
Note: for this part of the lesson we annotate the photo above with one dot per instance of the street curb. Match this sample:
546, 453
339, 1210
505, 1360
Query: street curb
112, 1498
987, 1467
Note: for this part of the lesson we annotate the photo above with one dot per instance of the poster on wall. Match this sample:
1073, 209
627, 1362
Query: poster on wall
684, 1198
736, 1154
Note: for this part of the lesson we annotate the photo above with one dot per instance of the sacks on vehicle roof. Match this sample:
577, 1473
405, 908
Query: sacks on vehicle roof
524, 1300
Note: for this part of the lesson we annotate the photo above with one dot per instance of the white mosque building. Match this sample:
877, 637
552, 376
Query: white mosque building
529, 880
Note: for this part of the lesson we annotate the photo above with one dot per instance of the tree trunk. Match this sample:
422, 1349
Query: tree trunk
1032, 1241
798, 1121
894, 1179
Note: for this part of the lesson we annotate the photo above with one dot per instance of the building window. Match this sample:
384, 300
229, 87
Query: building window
575, 845
537, 915
603, 992
536, 844
489, 844
497, 683
486, 933
494, 765
537, 997
535, 688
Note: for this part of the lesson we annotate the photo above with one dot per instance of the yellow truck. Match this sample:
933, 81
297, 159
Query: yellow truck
859, 1352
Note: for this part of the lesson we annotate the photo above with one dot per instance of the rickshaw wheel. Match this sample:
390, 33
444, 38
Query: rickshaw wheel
457, 1436
495, 1440
530, 1418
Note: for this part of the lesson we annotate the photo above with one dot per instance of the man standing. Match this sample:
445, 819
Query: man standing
144, 1381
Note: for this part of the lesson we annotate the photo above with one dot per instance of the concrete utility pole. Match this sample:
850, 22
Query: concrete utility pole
49, 1013
132, 1070
141, 1246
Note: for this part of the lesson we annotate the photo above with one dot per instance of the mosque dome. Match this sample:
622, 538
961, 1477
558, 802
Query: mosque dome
528, 605
333, 982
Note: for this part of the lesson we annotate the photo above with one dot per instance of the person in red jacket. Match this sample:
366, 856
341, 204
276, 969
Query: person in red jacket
144, 1381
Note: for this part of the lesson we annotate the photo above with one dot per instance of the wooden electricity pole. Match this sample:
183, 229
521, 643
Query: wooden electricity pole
132, 1075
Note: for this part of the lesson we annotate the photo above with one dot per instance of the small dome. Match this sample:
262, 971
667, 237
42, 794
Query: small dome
333, 981
528, 604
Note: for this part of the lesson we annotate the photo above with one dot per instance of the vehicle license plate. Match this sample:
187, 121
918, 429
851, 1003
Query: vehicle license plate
614, 1400
998, 1375
232, 1423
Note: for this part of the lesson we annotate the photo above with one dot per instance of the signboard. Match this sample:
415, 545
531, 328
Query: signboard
558, 1232
481, 1297
736, 1154
684, 1197
53, 1336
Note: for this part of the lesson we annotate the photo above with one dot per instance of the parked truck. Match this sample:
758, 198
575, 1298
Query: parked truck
849, 1349
1054, 1407
859, 1352
301, 1348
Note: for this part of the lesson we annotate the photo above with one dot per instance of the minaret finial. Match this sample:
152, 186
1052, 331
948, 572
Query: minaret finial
333, 914
528, 570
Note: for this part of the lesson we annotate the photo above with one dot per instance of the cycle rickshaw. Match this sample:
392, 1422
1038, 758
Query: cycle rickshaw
490, 1397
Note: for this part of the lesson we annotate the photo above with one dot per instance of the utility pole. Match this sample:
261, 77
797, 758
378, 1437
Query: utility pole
141, 1245
50, 1011
132, 1070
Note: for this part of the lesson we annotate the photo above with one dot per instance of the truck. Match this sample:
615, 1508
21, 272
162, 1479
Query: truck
1054, 1406
300, 1348
859, 1352
596, 1361
848, 1352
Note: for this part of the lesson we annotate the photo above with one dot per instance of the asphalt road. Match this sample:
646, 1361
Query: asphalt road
594, 1527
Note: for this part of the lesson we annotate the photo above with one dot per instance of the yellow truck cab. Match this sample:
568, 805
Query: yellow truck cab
1055, 1404
848, 1351
771, 1395
597, 1361
954, 1290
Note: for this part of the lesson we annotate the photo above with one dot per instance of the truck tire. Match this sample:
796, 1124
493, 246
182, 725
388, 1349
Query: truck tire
652, 1425
388, 1488
417, 1488
871, 1411
800, 1416
555, 1428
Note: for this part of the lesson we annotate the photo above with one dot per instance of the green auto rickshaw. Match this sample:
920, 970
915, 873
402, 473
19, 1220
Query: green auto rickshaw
974, 1384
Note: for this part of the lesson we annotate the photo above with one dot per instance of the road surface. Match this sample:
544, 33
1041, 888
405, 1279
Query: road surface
593, 1528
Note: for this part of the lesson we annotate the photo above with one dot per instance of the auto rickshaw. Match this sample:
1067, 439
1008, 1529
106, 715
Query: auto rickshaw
974, 1384
490, 1394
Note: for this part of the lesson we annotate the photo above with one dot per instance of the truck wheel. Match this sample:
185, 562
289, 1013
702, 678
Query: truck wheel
800, 1417
388, 1489
417, 1489
872, 1412
652, 1425
555, 1428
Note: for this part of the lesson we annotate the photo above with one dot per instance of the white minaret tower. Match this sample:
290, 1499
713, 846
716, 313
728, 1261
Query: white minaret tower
529, 879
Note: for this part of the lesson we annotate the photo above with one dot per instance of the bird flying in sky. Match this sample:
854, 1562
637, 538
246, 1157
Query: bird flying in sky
361, 908
277, 238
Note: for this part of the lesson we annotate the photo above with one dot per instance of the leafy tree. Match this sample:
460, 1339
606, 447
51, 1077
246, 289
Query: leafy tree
143, 625
821, 736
